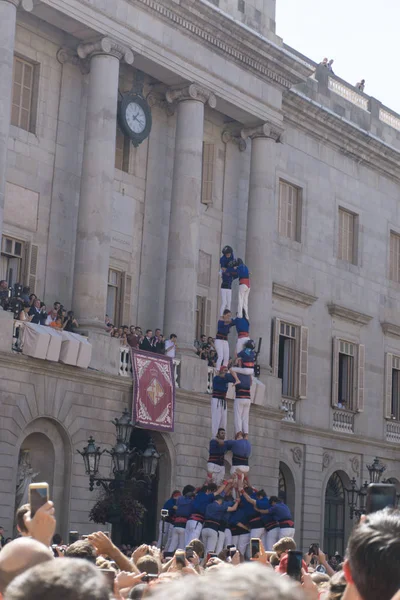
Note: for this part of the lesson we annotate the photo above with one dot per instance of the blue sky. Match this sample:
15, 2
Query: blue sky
362, 36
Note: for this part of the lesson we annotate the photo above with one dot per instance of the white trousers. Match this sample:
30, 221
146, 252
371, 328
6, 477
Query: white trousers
222, 348
240, 344
192, 531
271, 537
164, 541
241, 410
177, 539
258, 533
226, 299
241, 542
221, 542
244, 293
216, 473
219, 415
228, 538
210, 540
287, 532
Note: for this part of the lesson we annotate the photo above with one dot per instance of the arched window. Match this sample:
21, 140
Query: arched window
334, 516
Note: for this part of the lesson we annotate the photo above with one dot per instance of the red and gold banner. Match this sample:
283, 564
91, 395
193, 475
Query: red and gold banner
153, 404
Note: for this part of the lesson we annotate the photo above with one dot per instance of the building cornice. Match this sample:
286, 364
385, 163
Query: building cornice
323, 124
282, 292
391, 329
230, 38
341, 312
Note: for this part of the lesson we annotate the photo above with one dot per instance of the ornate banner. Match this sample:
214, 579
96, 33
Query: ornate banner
153, 404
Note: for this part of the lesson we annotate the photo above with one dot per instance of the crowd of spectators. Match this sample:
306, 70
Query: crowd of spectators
39, 566
133, 336
28, 308
205, 350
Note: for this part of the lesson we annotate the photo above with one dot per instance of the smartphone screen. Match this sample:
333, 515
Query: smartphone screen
255, 547
109, 574
380, 496
294, 564
38, 495
231, 551
189, 552
211, 555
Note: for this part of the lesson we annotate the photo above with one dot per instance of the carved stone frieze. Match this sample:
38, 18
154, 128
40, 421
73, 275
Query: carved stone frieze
355, 464
297, 454
326, 460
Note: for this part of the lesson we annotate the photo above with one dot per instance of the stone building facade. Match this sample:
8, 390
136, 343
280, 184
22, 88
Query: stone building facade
251, 145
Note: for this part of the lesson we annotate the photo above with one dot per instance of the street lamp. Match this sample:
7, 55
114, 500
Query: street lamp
124, 427
120, 455
356, 496
91, 455
150, 459
376, 470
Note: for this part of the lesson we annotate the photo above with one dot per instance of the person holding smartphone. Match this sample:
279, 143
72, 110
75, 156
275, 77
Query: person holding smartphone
169, 520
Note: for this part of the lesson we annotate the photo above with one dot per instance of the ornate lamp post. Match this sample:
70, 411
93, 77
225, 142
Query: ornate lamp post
356, 496
138, 469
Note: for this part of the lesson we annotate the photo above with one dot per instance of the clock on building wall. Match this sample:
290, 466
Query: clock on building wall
134, 114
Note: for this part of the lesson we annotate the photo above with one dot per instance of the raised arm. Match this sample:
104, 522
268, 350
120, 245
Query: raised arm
252, 501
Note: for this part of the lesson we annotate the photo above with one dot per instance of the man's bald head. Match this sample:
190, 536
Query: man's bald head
20, 555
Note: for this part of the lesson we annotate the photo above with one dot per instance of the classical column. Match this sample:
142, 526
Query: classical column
183, 243
261, 224
8, 18
94, 219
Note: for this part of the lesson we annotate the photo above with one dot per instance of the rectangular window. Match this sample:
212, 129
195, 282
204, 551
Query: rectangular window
346, 246
122, 151
11, 260
290, 358
207, 177
203, 316
395, 408
114, 296
394, 257
348, 375
392, 387
289, 211
22, 95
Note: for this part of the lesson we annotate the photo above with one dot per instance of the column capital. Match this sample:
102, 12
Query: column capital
191, 92
268, 130
25, 4
106, 46
234, 137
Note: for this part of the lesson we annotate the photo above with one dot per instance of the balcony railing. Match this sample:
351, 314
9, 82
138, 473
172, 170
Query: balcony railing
288, 407
348, 93
125, 365
343, 421
389, 119
393, 431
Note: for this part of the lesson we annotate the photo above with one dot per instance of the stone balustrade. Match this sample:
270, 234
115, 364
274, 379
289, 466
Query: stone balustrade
125, 364
393, 431
289, 408
389, 118
348, 93
343, 421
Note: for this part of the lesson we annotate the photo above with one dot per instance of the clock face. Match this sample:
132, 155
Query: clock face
135, 117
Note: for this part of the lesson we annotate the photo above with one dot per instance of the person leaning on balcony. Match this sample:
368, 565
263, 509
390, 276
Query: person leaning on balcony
361, 85
170, 346
24, 313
